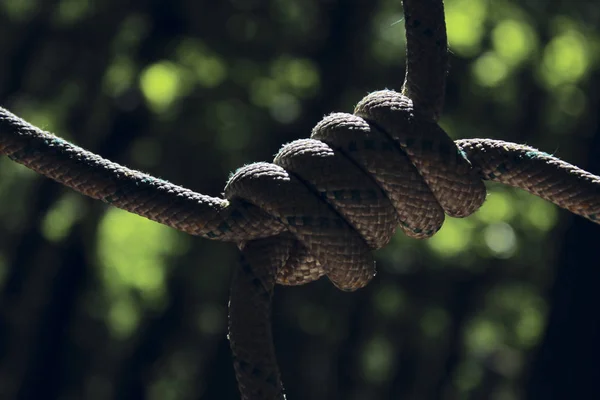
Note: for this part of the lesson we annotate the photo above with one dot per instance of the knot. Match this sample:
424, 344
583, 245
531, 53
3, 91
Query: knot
344, 192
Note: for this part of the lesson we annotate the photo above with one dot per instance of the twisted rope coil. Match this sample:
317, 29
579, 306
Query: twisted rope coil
345, 191
322, 206
341, 193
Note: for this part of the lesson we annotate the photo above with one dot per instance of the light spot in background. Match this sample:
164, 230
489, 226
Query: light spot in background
500, 238
465, 24
377, 358
489, 70
514, 41
453, 239
59, 219
132, 252
161, 83
482, 336
499, 206
566, 59
540, 214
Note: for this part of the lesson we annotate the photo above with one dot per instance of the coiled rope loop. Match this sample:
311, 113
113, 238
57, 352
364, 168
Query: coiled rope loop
344, 192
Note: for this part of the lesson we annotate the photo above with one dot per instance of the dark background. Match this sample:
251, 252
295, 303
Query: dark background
96, 303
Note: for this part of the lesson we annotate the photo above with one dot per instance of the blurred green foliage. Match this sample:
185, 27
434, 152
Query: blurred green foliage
132, 253
191, 90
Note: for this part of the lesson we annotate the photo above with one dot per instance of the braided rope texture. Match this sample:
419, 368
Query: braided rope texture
320, 207
341, 193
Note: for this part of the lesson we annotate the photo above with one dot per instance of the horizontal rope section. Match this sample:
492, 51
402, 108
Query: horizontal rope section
341, 193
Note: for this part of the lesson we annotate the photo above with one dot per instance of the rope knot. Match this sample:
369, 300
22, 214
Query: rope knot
344, 191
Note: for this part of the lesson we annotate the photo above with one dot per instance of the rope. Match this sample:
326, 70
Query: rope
326, 202
340, 195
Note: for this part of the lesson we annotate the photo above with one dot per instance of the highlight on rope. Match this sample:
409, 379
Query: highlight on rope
324, 203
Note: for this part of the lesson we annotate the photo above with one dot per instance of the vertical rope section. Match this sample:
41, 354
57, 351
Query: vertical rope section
250, 335
426, 56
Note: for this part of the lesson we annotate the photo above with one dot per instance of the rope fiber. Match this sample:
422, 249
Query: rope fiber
326, 202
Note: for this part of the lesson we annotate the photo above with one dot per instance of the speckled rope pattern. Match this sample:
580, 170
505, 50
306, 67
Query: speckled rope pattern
326, 202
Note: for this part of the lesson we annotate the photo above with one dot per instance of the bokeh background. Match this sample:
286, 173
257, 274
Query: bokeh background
96, 303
